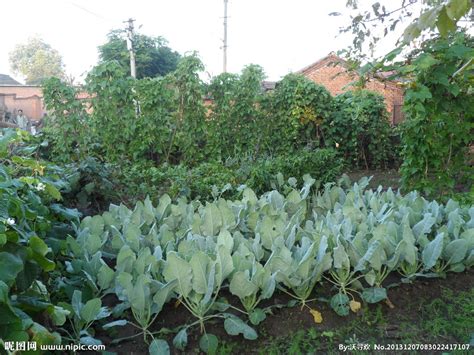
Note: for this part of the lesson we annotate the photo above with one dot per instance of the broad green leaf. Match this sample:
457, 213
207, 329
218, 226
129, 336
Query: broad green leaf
225, 238
58, 315
340, 257
159, 347
38, 245
179, 270
374, 294
224, 264
139, 295
241, 286
340, 304
257, 316
424, 226
455, 9
181, 339
91, 310
432, 251
456, 251
105, 276
373, 256
235, 326
200, 267
370, 277
212, 220
208, 343
76, 302
410, 250
132, 235
10, 266
445, 24
52, 191
125, 259
117, 323
163, 294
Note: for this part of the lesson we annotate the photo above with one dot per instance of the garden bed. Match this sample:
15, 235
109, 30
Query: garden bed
292, 330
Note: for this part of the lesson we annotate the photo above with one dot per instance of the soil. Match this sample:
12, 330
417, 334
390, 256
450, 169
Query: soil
405, 300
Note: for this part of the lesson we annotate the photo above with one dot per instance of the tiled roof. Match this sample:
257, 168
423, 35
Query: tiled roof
330, 59
7, 80
268, 85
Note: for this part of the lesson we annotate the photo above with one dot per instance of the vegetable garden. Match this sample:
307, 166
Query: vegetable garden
141, 216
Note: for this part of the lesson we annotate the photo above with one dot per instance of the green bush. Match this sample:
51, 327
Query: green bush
212, 179
322, 164
360, 130
92, 185
33, 226
296, 110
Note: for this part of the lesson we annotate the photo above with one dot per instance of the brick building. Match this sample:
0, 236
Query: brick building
16, 96
332, 72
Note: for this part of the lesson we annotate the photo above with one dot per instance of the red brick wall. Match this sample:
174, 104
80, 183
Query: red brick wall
27, 98
337, 80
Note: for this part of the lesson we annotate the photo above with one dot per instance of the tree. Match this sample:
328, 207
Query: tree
427, 18
153, 56
36, 61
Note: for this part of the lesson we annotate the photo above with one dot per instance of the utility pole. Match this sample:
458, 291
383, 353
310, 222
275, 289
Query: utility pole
225, 36
133, 70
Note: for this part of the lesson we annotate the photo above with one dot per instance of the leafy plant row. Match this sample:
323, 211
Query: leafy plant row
33, 224
180, 119
190, 252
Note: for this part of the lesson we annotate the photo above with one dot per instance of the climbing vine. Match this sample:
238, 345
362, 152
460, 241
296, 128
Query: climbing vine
439, 107
298, 107
360, 129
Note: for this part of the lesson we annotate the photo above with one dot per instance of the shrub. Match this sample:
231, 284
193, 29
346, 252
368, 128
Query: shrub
209, 180
33, 226
360, 129
322, 164
296, 110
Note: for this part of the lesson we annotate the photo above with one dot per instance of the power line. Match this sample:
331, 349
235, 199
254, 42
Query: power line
99, 16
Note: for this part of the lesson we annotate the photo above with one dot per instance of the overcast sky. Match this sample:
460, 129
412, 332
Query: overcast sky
280, 35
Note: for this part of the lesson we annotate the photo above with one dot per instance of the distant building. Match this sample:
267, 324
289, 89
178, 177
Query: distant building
332, 72
16, 96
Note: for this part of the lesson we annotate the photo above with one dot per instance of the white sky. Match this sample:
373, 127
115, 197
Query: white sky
280, 35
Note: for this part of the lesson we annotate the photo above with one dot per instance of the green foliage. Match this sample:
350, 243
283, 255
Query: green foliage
322, 164
297, 109
92, 185
164, 120
149, 119
236, 117
188, 135
151, 137
67, 127
439, 107
113, 110
209, 180
36, 61
360, 129
350, 236
369, 25
152, 55
31, 231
